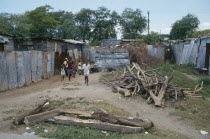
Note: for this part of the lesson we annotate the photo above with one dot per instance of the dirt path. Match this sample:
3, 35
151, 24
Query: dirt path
27, 96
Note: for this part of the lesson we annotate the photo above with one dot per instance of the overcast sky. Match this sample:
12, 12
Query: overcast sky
162, 12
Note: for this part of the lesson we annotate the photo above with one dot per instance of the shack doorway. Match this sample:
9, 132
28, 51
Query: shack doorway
1, 47
207, 60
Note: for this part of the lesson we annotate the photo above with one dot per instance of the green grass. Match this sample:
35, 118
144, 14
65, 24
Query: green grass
76, 132
109, 108
8, 118
194, 110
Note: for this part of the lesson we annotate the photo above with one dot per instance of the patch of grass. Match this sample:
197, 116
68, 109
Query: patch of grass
8, 118
9, 111
110, 108
22, 110
67, 132
56, 103
196, 111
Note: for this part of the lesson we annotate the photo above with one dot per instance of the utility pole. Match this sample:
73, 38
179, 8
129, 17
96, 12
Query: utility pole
148, 22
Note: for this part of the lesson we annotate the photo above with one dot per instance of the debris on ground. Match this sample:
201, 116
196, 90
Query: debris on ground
29, 134
99, 119
154, 86
204, 132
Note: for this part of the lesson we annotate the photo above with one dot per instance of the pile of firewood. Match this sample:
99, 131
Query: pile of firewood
99, 119
154, 86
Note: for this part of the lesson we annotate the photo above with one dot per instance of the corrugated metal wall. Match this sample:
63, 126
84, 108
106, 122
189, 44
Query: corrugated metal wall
111, 58
19, 68
157, 52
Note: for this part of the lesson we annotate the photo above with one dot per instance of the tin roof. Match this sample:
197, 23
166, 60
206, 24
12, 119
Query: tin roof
73, 41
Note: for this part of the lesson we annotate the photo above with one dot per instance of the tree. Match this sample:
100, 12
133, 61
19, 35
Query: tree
14, 24
104, 24
185, 27
133, 23
151, 38
84, 21
42, 23
201, 33
66, 29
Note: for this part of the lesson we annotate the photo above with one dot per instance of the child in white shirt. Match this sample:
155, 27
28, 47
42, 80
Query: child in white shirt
86, 68
62, 72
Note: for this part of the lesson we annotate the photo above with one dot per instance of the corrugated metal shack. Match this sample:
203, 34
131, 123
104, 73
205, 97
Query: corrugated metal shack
6, 42
111, 58
195, 51
19, 68
49, 45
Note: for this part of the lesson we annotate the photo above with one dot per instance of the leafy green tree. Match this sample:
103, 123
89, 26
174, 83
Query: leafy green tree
151, 38
5, 23
104, 24
133, 23
42, 23
201, 33
13, 24
185, 27
66, 29
84, 21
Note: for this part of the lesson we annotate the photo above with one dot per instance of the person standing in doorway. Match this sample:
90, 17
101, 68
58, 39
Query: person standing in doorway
86, 68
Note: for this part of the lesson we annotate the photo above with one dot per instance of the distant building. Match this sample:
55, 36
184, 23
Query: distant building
49, 45
6, 42
121, 42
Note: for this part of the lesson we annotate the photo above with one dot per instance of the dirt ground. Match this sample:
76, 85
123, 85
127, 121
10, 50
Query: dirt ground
26, 97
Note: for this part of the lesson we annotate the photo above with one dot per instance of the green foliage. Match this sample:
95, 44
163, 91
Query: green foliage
133, 23
201, 33
185, 27
104, 24
66, 29
151, 38
84, 21
42, 23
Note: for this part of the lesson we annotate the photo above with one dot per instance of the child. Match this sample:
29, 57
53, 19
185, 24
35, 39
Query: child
86, 68
62, 72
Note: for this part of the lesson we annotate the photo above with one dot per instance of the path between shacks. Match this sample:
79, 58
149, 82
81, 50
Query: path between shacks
27, 96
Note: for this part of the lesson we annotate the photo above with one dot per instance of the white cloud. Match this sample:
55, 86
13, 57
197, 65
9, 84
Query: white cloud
204, 25
166, 30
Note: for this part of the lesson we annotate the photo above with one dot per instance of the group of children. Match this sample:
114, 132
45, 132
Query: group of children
69, 68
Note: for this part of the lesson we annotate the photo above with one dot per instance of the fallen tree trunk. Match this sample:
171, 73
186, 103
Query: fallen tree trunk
95, 124
20, 118
41, 117
129, 121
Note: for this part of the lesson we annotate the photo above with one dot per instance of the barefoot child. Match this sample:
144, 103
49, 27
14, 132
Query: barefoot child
62, 72
86, 68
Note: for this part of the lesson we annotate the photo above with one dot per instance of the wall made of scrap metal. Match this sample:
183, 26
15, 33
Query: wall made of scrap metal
157, 52
110, 42
19, 68
111, 58
185, 52
202, 54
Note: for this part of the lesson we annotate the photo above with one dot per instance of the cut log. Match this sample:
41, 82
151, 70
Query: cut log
41, 117
79, 113
95, 124
129, 121
122, 91
20, 118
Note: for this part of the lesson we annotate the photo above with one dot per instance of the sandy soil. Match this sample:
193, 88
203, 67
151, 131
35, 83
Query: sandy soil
26, 97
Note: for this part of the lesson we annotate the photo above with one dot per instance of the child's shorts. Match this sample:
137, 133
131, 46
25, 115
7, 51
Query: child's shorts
69, 72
